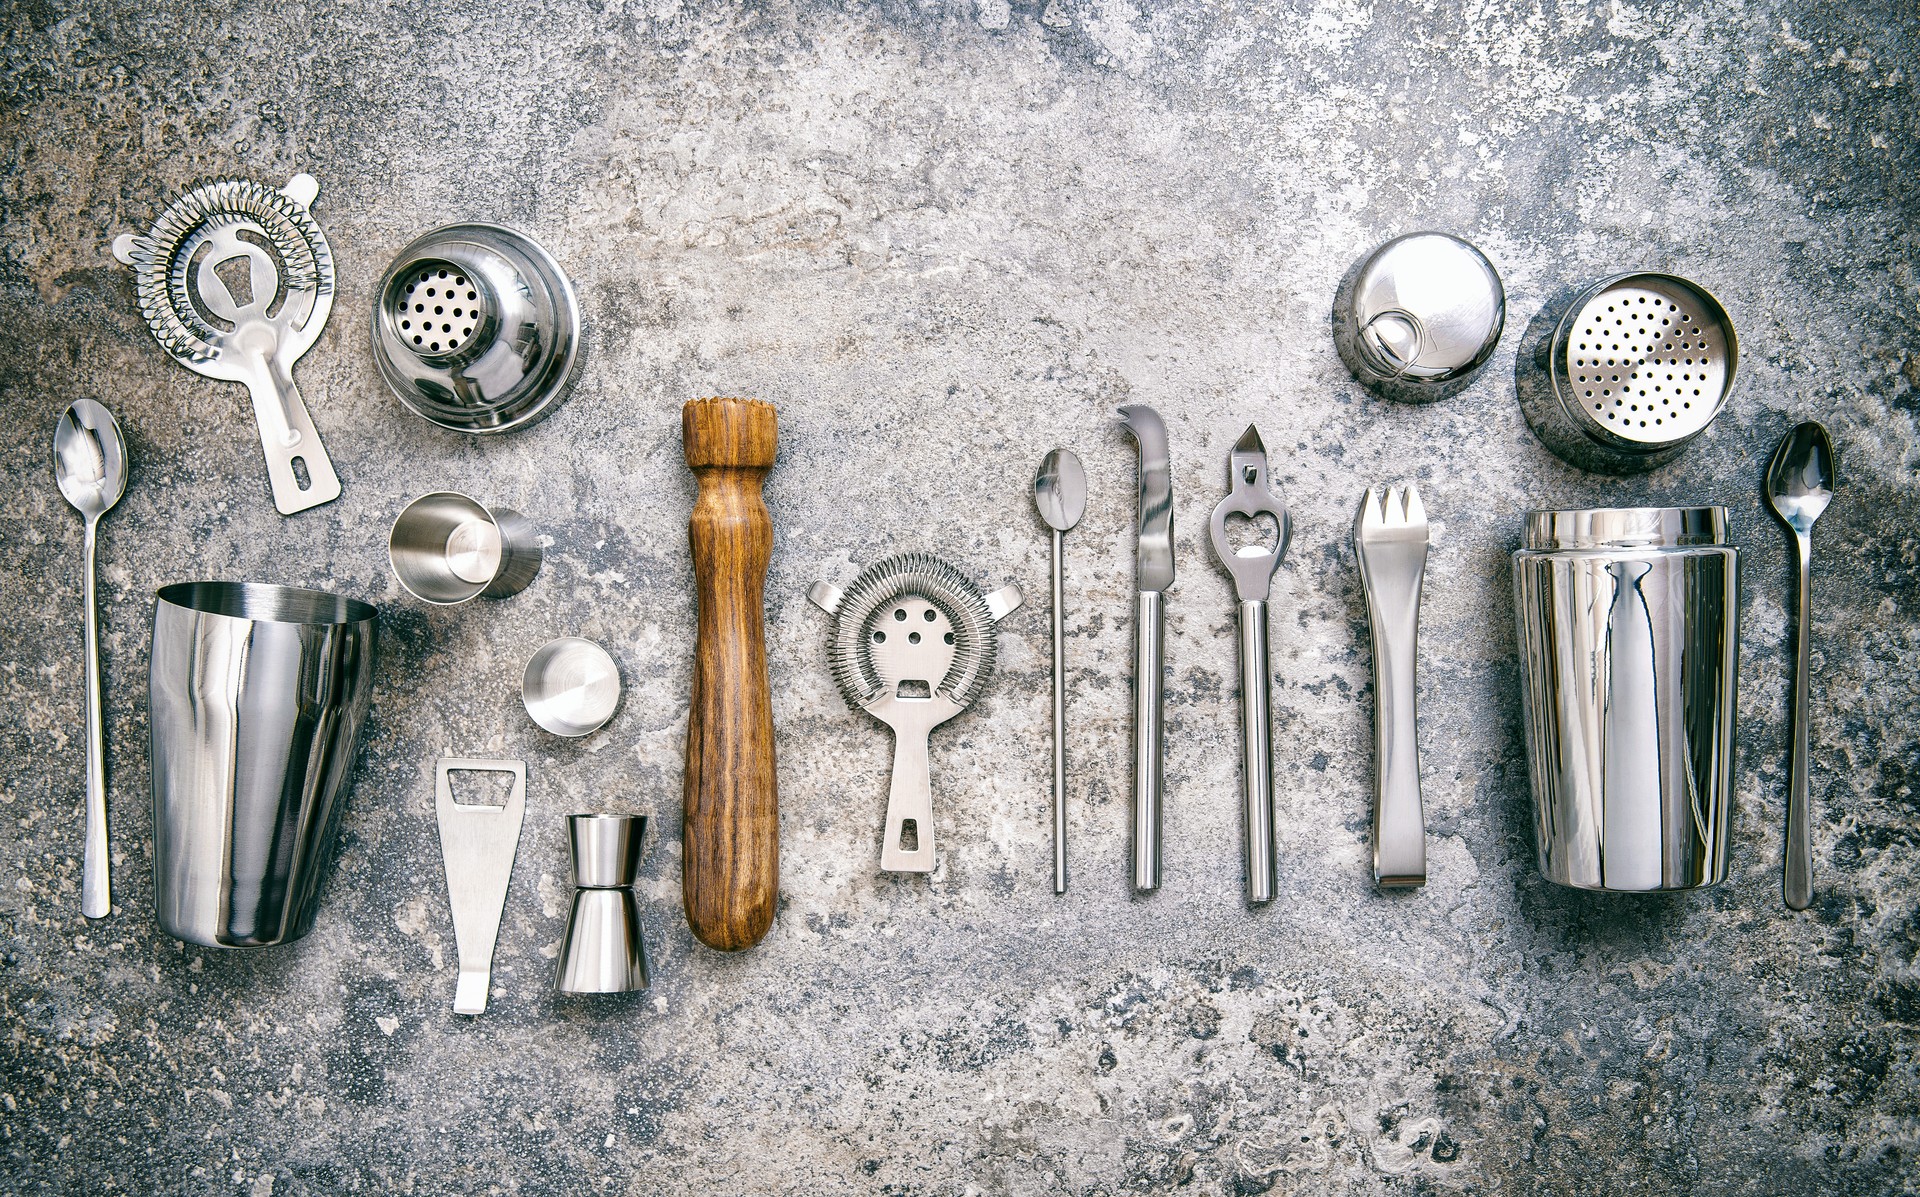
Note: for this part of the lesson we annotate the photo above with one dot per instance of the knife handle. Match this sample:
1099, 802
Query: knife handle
730, 878
1149, 660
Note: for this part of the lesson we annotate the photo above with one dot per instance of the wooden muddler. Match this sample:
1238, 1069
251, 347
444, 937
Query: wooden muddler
731, 871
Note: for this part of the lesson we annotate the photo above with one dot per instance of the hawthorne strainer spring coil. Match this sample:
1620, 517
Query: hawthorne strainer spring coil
913, 645
235, 281
1639, 365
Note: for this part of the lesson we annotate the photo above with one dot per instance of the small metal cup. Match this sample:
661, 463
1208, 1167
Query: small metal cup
1629, 654
256, 701
570, 687
447, 548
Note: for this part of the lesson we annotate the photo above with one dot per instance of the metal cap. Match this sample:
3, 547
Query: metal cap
1417, 318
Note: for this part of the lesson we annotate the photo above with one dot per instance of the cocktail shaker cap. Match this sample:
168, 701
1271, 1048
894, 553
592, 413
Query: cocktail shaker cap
1417, 318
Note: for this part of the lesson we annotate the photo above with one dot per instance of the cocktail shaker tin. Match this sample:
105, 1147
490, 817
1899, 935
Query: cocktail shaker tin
1629, 651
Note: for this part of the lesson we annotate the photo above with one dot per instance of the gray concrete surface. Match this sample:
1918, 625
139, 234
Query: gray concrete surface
944, 238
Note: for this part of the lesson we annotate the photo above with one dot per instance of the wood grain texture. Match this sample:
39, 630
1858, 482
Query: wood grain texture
731, 872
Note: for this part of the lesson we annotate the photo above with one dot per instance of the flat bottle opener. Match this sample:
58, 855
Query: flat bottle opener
477, 844
1252, 566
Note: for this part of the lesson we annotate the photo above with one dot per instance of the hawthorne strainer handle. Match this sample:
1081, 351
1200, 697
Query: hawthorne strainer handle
298, 468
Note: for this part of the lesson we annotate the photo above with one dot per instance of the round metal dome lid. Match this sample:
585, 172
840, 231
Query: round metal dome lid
1417, 318
476, 329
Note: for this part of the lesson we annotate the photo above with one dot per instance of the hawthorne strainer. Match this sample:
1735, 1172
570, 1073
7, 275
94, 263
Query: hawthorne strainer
913, 646
235, 281
1639, 365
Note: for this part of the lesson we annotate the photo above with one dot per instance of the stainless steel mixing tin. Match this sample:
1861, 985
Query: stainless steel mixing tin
1628, 640
257, 697
1638, 366
475, 327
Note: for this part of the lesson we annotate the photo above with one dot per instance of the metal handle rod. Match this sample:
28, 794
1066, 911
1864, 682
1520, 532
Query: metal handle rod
1799, 864
96, 896
1059, 721
1256, 762
1149, 660
1399, 819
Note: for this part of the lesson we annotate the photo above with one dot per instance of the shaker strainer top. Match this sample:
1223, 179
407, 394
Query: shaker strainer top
475, 328
1645, 361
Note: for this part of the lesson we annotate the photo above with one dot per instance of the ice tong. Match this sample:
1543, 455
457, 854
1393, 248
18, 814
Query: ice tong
1252, 567
1390, 539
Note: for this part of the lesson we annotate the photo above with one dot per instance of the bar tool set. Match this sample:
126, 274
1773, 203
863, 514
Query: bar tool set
1152, 574
186, 268
477, 844
1060, 494
1626, 617
604, 949
90, 467
1800, 482
912, 644
1390, 541
731, 826
1251, 565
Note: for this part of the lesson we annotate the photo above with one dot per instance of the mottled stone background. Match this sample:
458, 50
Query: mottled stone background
944, 238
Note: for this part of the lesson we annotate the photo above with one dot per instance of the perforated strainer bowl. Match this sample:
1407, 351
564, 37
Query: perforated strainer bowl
1639, 365
475, 328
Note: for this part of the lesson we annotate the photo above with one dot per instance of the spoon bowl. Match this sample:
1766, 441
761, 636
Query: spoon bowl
1060, 490
90, 458
1800, 478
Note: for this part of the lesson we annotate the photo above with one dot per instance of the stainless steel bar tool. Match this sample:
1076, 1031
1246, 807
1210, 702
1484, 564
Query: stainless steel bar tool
570, 687
913, 645
476, 329
1390, 539
446, 548
185, 269
1637, 367
1417, 318
1251, 565
1060, 493
90, 466
1629, 649
604, 949
256, 701
477, 844
1800, 482
1152, 574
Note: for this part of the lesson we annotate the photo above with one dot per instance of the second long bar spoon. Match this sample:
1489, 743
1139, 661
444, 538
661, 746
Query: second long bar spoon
90, 464
1799, 487
1060, 492
1252, 567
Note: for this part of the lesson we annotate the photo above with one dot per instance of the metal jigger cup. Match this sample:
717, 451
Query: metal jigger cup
447, 548
604, 950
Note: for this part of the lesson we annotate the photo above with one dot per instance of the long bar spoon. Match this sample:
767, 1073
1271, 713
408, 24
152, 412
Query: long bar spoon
1060, 492
90, 464
1800, 482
